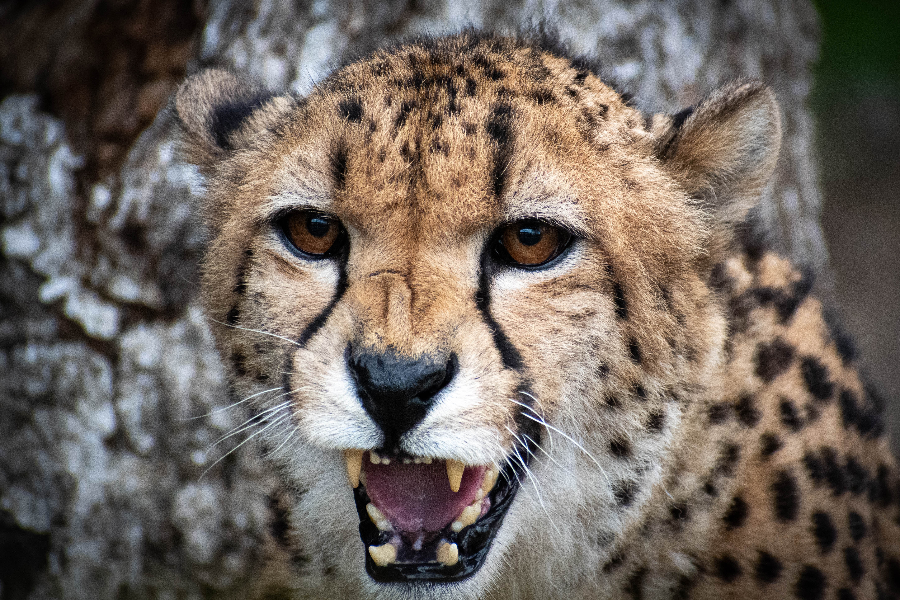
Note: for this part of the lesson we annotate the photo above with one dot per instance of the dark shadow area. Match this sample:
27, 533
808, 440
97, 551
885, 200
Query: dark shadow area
857, 106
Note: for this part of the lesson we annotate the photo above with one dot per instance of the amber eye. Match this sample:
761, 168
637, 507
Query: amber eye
530, 243
313, 233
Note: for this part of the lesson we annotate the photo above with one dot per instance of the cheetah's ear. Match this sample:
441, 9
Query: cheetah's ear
724, 151
214, 109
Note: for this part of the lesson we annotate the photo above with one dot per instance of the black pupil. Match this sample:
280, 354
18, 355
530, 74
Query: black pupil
529, 236
318, 226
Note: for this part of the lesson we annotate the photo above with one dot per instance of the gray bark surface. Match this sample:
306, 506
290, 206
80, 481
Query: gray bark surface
111, 483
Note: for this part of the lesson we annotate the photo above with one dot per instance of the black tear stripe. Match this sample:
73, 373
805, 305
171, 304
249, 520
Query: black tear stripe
316, 324
509, 354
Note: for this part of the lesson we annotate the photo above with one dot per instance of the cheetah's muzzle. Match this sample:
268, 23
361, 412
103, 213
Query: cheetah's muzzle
424, 519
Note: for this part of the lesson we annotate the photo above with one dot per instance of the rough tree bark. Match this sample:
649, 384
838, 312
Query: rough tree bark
110, 482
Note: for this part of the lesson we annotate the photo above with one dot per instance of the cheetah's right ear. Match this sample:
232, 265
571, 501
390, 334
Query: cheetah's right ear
214, 110
724, 151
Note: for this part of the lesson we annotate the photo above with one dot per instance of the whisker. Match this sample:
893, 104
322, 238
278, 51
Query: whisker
224, 408
565, 435
537, 491
536, 413
259, 331
250, 423
250, 437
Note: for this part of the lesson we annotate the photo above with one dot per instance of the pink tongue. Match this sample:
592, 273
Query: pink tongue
418, 497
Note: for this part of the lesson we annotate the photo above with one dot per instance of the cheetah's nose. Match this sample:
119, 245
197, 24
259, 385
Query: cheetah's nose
396, 390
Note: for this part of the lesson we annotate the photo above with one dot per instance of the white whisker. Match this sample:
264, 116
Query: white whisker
259, 331
250, 437
565, 435
224, 408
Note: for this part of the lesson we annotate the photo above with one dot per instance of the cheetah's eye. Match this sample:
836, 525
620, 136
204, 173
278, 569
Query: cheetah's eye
530, 243
313, 233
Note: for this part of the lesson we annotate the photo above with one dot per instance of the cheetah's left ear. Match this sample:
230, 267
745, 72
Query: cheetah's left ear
724, 151
219, 112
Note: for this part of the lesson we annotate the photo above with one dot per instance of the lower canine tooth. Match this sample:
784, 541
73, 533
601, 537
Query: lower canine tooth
383, 555
468, 516
353, 460
490, 479
378, 517
448, 554
454, 473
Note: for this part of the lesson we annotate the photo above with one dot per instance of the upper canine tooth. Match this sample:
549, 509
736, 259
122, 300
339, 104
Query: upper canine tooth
383, 555
353, 460
454, 473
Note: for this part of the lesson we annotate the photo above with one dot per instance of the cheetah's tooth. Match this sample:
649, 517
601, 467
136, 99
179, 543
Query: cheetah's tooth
454, 473
447, 554
383, 555
468, 516
427, 460
374, 458
490, 479
378, 517
353, 460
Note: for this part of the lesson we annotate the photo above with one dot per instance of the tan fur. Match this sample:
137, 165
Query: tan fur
403, 148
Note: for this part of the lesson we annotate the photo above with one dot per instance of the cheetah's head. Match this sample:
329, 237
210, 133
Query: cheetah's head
466, 275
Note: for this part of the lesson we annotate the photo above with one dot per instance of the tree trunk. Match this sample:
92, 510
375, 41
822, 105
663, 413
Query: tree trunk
112, 483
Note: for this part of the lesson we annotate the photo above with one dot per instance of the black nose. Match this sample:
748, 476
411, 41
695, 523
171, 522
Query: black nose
397, 390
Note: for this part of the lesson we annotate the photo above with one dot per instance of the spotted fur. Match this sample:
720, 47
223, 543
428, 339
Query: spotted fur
702, 432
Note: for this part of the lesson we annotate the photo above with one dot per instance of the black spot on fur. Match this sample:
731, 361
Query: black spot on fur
810, 584
727, 568
857, 476
602, 370
824, 531
854, 564
620, 448
710, 490
842, 340
768, 568
769, 444
634, 350
679, 118
624, 493
857, 526
855, 414
621, 302
892, 575
719, 413
823, 468
616, 561
639, 392
403, 114
233, 315
656, 421
239, 362
773, 359
789, 415
728, 459
747, 413
634, 586
339, 165
580, 76
880, 491
817, 379
845, 594
678, 512
785, 496
736, 513
279, 526
351, 110
240, 287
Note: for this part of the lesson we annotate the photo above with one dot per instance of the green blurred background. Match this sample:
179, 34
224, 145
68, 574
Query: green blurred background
856, 102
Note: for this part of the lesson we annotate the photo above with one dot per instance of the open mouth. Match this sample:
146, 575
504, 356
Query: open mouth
424, 519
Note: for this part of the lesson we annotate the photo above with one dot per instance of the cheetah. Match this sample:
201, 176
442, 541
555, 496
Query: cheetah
505, 336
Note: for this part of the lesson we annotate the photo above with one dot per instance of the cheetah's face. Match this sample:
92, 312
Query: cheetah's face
466, 277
